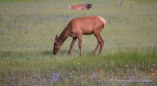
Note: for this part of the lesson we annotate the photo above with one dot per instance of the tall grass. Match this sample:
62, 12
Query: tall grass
109, 66
27, 32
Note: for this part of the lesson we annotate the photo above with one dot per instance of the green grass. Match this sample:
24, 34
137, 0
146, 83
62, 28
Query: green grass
142, 1
29, 64
27, 32
19, 1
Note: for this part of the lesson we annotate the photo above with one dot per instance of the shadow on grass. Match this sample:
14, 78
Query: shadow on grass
4, 54
47, 52
62, 52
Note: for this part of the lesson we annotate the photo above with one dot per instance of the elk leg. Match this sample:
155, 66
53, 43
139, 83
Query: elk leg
101, 45
96, 48
80, 43
72, 44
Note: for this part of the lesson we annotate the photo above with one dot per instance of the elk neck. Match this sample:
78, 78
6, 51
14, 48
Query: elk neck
63, 36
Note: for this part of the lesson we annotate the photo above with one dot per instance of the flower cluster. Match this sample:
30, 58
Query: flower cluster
98, 77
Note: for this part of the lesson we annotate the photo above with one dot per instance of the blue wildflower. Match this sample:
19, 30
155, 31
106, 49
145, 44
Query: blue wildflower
146, 81
101, 83
45, 81
37, 76
123, 84
55, 77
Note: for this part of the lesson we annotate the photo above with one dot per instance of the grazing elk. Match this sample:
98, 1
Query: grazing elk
78, 27
80, 7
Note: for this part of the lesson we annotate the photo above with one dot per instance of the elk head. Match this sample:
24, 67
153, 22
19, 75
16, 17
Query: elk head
56, 46
89, 5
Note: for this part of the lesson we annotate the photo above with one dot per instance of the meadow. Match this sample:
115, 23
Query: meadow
28, 29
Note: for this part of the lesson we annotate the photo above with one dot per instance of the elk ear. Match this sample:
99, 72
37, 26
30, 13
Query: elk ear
56, 37
89, 5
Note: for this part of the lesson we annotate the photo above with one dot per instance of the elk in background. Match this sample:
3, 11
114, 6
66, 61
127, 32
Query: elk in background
80, 7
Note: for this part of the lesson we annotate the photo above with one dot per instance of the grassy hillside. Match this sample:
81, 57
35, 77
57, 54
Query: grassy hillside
27, 32
11, 1
142, 1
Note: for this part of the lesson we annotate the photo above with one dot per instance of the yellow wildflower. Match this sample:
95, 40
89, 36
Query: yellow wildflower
13, 63
153, 74
5, 79
78, 63
84, 76
126, 66
99, 70
112, 75
24, 76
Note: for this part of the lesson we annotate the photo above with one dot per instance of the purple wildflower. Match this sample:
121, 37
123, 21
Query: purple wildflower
77, 83
45, 81
55, 77
14, 77
37, 76
94, 75
123, 84
132, 78
14, 84
101, 83
146, 81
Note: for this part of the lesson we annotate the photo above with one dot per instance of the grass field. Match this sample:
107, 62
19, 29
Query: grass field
28, 29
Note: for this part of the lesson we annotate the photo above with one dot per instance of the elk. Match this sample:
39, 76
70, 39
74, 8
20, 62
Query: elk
80, 7
81, 26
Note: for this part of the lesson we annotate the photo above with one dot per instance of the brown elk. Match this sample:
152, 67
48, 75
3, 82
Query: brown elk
80, 7
78, 27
